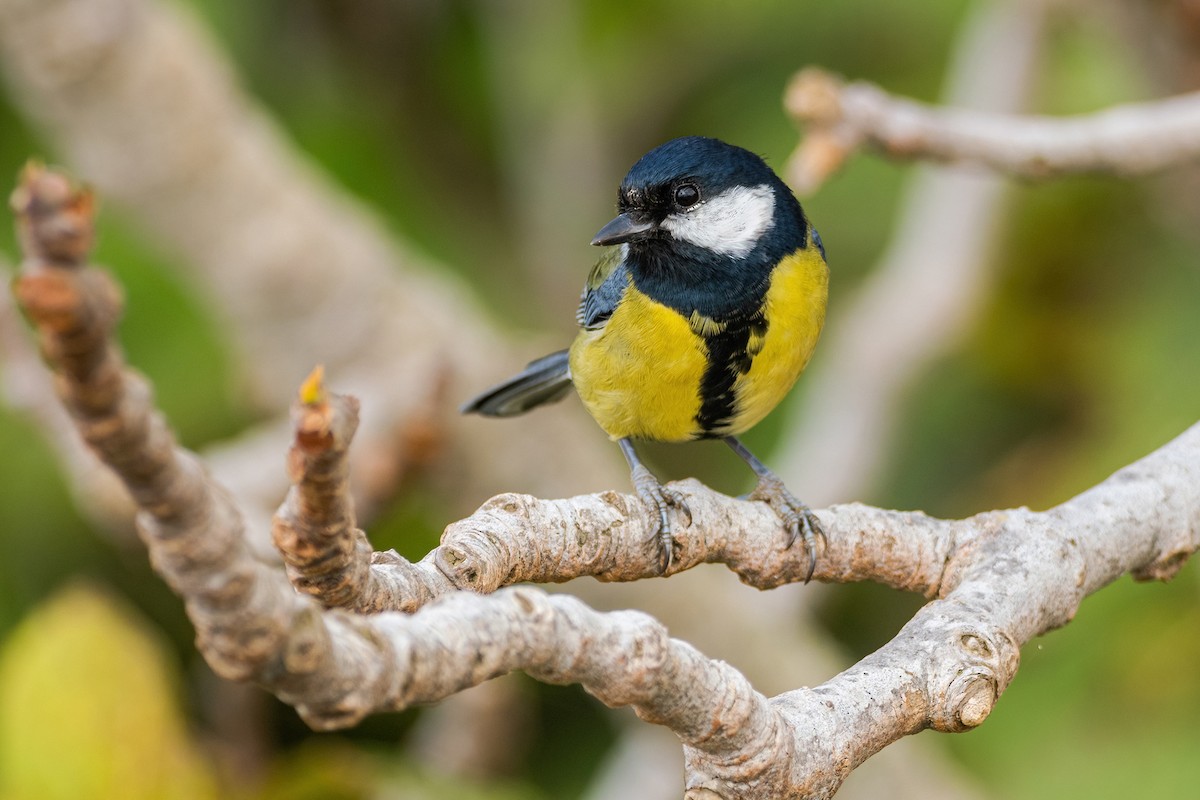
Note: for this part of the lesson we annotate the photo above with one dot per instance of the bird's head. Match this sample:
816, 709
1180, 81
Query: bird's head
702, 193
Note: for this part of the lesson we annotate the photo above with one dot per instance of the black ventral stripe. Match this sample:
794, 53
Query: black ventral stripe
728, 357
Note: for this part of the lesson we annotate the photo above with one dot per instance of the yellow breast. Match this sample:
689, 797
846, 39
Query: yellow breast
795, 312
640, 374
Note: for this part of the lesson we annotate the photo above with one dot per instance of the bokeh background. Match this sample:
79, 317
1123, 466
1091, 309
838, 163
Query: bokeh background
490, 137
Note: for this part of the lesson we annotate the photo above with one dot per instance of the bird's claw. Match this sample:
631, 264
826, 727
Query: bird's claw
659, 499
798, 519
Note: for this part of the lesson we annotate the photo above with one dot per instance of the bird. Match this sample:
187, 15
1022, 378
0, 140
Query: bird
695, 322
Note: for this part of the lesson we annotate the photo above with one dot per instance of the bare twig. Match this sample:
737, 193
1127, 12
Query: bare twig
315, 528
27, 388
1000, 577
326, 555
843, 117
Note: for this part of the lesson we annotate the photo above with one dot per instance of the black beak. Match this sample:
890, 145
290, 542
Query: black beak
623, 229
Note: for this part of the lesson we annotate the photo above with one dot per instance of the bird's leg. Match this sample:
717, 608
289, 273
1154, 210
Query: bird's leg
797, 517
658, 499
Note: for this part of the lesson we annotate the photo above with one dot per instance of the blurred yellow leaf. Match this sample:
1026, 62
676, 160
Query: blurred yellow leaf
88, 708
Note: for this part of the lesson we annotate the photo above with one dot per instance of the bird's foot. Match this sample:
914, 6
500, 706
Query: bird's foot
798, 518
658, 500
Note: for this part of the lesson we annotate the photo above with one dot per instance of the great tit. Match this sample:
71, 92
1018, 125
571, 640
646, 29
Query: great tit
696, 321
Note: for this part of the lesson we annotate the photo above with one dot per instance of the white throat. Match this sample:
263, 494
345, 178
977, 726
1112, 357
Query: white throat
730, 223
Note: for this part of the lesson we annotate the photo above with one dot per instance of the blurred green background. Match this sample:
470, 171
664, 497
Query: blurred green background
1086, 357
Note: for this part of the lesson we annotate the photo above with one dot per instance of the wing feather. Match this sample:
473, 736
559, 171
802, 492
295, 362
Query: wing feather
605, 285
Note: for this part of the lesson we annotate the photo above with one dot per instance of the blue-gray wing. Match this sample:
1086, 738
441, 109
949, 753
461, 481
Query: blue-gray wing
603, 290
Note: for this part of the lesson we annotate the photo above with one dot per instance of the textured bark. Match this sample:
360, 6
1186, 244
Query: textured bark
1125, 140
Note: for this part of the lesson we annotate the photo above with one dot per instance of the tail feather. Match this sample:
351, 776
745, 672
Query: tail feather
545, 380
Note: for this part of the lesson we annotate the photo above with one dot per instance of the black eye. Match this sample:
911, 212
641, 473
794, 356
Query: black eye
687, 195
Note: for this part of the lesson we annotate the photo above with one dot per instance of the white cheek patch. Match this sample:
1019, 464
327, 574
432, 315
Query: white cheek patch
730, 223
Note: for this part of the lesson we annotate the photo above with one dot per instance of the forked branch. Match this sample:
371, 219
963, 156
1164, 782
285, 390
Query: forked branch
998, 579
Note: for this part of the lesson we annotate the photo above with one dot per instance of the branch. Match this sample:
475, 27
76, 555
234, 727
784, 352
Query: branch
516, 538
842, 117
27, 389
334, 667
1000, 578
326, 555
